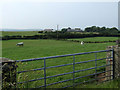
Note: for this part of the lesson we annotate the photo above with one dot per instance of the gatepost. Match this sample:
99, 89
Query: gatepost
114, 63
8, 73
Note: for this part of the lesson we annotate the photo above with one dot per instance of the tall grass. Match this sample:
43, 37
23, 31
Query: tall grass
110, 84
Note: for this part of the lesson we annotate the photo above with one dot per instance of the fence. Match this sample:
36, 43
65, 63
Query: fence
95, 75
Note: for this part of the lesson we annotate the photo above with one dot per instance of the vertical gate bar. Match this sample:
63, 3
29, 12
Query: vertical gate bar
113, 64
95, 65
45, 72
73, 71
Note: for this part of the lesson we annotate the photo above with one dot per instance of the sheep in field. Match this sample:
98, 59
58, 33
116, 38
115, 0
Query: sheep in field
20, 44
82, 42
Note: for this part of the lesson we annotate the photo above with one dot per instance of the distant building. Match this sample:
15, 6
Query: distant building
48, 30
73, 30
77, 29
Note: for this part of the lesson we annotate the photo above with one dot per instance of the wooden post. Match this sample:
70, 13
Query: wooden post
115, 66
8, 73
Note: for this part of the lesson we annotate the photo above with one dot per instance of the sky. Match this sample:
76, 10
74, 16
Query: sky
47, 15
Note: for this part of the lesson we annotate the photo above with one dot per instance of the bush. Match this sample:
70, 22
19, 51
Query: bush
40, 31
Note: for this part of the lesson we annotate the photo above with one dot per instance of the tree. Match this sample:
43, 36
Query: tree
103, 29
94, 28
69, 28
114, 29
40, 31
88, 29
64, 30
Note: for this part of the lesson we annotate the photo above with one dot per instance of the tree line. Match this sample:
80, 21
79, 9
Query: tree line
102, 30
63, 34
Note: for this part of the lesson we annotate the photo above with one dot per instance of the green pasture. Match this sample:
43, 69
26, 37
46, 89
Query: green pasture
21, 33
44, 48
96, 39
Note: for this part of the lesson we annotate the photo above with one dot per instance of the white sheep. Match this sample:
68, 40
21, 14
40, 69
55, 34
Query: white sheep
82, 42
20, 44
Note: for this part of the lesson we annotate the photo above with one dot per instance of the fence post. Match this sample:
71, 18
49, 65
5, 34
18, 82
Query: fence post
73, 71
95, 66
115, 62
8, 73
45, 73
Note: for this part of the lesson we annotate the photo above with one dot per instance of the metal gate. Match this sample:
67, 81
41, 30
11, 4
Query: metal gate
78, 71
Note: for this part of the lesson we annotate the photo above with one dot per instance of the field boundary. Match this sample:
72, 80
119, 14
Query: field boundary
55, 36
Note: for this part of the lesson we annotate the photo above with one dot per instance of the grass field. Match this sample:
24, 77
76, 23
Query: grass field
96, 39
22, 33
43, 48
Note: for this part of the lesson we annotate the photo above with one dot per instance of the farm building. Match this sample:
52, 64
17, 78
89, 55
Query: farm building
48, 30
73, 30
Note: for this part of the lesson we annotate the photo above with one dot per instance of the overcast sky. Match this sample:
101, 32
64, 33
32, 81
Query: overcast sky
42, 15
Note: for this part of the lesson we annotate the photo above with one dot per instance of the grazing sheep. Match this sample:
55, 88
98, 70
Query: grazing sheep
82, 42
20, 44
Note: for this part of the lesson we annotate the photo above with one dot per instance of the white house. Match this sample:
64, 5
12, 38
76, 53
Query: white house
48, 30
74, 30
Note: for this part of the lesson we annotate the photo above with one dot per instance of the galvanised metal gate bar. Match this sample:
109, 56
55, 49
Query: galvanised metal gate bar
73, 72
